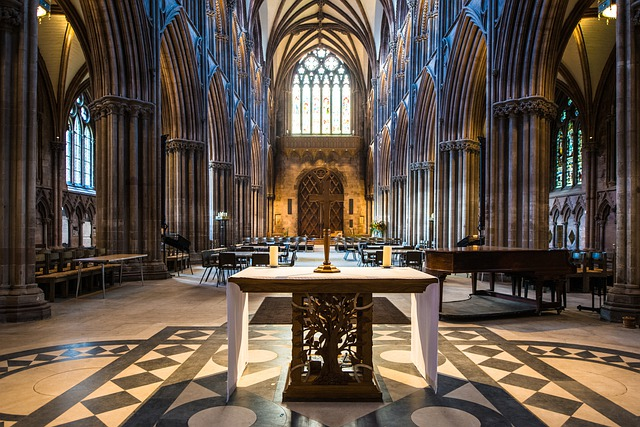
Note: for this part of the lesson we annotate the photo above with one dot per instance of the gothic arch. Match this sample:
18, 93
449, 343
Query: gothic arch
219, 150
425, 121
181, 94
464, 107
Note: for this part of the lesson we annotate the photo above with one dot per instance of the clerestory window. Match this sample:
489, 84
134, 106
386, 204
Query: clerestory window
568, 147
321, 95
80, 147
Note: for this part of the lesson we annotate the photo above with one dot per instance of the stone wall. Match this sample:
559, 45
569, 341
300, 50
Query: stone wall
296, 156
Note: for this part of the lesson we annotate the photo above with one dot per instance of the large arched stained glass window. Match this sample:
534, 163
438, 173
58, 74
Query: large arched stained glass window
80, 147
321, 95
568, 147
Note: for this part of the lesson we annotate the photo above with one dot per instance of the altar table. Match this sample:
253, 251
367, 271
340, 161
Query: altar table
304, 284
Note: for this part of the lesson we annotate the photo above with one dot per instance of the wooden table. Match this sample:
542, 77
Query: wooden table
108, 259
319, 371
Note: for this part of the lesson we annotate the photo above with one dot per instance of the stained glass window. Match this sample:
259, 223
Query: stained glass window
321, 95
80, 147
568, 147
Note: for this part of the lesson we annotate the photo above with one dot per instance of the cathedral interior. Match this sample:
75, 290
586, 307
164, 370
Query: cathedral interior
222, 121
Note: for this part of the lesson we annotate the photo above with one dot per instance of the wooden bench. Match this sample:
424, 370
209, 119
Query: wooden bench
179, 261
48, 282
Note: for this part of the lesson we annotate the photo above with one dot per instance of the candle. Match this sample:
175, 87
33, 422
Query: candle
386, 256
273, 256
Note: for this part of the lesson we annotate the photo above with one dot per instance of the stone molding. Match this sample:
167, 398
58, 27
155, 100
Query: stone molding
467, 145
636, 17
220, 165
184, 145
256, 188
429, 166
241, 178
537, 105
112, 104
384, 188
10, 17
402, 179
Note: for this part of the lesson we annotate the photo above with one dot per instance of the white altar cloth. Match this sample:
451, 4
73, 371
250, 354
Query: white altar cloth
424, 306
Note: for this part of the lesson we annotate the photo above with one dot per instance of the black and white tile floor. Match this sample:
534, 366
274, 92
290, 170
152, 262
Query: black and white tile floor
156, 355
177, 377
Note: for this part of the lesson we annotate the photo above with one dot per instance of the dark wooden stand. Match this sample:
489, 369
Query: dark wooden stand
332, 355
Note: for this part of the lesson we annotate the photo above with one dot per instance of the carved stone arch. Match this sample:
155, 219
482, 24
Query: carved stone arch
257, 167
44, 223
309, 183
181, 100
566, 212
464, 108
218, 118
295, 157
424, 121
384, 164
307, 157
242, 159
399, 157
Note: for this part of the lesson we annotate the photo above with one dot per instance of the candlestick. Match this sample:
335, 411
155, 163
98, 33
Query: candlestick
386, 256
273, 256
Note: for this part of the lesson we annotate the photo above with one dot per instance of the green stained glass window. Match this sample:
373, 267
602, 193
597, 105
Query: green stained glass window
568, 147
321, 95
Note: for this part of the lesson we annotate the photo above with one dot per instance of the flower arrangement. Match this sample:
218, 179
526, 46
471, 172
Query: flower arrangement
222, 215
378, 227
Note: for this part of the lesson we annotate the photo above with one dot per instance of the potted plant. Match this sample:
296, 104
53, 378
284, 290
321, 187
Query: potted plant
378, 228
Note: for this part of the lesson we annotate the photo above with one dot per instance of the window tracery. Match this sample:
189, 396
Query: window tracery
568, 147
80, 147
321, 95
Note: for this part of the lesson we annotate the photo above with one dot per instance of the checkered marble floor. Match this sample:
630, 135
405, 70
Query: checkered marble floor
178, 377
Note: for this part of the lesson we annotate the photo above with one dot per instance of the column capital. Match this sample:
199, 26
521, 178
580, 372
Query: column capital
220, 165
112, 104
183, 145
530, 105
468, 145
11, 16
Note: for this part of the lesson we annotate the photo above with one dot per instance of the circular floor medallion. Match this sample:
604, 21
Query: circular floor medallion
223, 416
440, 416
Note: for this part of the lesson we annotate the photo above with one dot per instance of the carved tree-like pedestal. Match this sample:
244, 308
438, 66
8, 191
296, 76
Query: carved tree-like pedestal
332, 356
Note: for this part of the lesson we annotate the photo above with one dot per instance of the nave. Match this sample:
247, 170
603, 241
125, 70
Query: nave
156, 355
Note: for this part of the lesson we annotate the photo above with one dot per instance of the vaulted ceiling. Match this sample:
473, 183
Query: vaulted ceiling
349, 28
353, 29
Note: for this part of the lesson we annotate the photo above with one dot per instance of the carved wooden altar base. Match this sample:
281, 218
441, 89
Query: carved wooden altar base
332, 355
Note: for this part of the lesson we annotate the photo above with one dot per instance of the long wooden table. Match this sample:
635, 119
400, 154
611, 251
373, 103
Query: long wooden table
536, 265
108, 259
337, 369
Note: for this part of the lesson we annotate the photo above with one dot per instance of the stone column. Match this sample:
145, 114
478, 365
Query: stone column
624, 298
458, 189
186, 197
128, 192
20, 297
518, 183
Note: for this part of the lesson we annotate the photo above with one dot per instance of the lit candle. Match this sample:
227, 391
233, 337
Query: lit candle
273, 256
386, 256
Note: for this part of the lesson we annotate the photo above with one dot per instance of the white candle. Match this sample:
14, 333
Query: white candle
273, 256
386, 256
